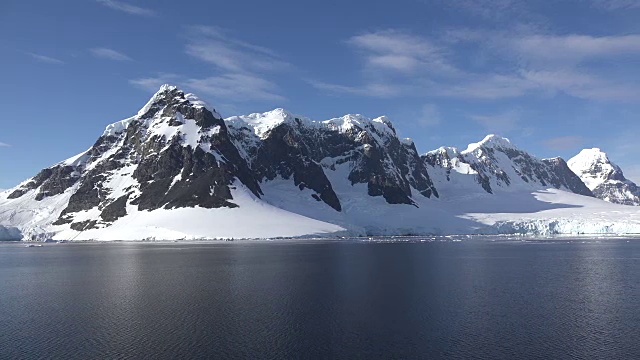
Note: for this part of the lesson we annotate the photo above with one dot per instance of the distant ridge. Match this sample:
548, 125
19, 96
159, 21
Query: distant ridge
605, 179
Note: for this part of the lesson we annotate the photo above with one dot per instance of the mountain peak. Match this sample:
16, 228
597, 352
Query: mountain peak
491, 141
347, 122
497, 140
588, 159
281, 115
167, 91
591, 155
594, 167
172, 94
262, 123
167, 87
604, 177
161, 96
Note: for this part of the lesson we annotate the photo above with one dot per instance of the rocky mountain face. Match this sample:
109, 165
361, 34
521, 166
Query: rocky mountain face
605, 179
496, 164
179, 153
174, 153
278, 144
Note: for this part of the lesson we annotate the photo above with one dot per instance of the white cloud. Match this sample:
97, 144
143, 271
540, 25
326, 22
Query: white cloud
214, 46
501, 123
486, 87
46, 59
234, 87
152, 84
557, 80
515, 63
573, 48
395, 62
4, 144
582, 85
371, 89
109, 54
489, 9
127, 8
241, 71
399, 51
429, 115
563, 143
239, 87
391, 53
531, 45
616, 4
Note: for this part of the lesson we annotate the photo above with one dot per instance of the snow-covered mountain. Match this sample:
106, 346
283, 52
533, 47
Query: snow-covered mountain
178, 170
495, 164
161, 173
604, 178
279, 145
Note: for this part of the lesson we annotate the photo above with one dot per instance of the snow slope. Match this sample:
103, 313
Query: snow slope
549, 212
26, 219
541, 211
251, 219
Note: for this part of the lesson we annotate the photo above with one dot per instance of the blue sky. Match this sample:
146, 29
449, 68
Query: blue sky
553, 76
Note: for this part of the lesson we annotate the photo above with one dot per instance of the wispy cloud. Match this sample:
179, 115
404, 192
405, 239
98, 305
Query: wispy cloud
370, 89
109, 54
429, 115
215, 46
581, 85
616, 4
564, 143
237, 86
395, 63
501, 123
488, 9
486, 87
573, 48
152, 84
127, 8
400, 51
4, 144
241, 71
46, 59
521, 63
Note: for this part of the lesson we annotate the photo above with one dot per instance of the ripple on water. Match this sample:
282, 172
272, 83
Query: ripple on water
415, 298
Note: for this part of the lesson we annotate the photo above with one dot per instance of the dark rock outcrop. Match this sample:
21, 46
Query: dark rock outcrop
169, 172
305, 151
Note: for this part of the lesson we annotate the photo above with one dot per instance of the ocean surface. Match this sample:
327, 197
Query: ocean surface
347, 299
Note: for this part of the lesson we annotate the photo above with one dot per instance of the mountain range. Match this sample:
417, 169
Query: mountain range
178, 170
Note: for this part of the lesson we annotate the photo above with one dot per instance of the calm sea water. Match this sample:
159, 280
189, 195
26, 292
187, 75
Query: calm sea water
322, 299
